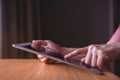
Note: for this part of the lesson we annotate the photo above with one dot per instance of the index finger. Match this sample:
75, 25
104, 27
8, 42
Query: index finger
75, 52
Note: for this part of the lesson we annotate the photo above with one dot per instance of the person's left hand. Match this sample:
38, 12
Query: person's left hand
47, 46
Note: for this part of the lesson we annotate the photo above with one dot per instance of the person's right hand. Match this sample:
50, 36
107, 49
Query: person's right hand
48, 46
99, 54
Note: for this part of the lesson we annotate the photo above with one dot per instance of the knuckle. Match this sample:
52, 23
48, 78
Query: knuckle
47, 40
90, 46
101, 52
93, 46
94, 51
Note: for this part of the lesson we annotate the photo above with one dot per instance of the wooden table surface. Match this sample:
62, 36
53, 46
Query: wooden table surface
33, 69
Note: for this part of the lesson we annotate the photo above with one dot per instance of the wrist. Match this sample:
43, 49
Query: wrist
116, 51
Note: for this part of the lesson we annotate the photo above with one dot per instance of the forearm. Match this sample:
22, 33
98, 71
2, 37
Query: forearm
115, 39
116, 36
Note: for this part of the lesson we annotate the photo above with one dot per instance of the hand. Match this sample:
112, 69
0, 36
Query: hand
98, 55
48, 46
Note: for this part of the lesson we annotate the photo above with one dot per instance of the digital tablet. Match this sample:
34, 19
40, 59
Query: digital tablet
73, 62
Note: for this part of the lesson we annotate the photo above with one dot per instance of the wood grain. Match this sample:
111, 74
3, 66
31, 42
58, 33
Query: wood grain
33, 69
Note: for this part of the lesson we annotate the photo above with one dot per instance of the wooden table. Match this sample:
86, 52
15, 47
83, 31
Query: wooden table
33, 69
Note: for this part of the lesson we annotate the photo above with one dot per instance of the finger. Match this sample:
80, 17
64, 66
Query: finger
76, 52
94, 60
83, 59
94, 57
39, 48
36, 44
47, 60
39, 42
100, 62
44, 60
40, 56
88, 57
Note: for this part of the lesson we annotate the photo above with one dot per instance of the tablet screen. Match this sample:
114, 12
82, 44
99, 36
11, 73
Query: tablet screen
71, 61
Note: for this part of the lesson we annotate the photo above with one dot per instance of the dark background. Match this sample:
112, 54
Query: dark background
75, 23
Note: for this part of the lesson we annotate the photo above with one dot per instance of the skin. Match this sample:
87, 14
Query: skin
49, 46
99, 54
96, 55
